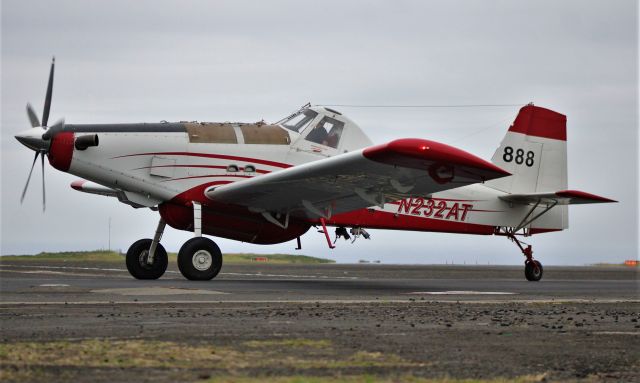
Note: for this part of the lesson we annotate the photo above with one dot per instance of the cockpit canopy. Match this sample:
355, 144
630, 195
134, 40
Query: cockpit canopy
325, 129
299, 120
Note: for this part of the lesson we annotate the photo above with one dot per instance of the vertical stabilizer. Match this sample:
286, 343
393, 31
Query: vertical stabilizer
534, 150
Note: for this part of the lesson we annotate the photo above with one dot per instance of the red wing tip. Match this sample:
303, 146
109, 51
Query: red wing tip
421, 149
77, 184
582, 195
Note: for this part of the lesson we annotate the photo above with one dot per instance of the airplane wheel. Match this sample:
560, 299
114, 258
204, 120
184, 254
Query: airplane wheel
137, 260
533, 271
199, 259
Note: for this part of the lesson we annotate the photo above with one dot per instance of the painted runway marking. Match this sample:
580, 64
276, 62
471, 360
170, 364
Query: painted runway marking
156, 291
40, 272
52, 272
67, 268
54, 285
288, 276
460, 293
168, 271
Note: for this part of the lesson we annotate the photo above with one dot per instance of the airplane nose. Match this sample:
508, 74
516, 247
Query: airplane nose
32, 139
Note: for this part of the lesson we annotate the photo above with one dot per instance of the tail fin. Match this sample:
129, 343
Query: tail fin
534, 150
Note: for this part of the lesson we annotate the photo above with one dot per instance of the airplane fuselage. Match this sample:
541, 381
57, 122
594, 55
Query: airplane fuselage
169, 165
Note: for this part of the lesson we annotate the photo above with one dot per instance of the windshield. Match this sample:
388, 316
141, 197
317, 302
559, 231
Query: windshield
299, 121
327, 132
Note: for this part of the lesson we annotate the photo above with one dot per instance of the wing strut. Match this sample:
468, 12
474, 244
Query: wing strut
526, 221
314, 210
269, 217
373, 198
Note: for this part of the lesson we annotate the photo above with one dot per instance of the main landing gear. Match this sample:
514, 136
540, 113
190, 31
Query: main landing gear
138, 260
147, 258
199, 259
532, 268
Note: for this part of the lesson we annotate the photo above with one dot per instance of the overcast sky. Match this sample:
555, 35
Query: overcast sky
133, 61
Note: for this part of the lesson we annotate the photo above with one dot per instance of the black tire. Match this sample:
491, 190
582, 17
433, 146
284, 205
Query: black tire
533, 271
137, 260
199, 259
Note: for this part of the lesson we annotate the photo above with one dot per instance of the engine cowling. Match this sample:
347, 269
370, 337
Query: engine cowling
61, 150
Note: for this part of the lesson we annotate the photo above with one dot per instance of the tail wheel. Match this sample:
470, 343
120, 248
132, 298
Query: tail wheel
533, 270
137, 256
199, 259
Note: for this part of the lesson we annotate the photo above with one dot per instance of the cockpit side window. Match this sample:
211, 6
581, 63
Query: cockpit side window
299, 122
327, 132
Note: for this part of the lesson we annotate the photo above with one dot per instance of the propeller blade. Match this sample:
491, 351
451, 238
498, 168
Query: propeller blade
44, 201
53, 129
29, 178
47, 100
33, 117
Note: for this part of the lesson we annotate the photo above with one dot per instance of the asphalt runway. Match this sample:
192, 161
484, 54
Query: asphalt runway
487, 322
77, 283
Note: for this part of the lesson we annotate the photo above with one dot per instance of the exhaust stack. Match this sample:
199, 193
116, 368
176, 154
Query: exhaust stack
87, 141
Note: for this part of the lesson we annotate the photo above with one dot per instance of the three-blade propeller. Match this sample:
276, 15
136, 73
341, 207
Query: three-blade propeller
41, 144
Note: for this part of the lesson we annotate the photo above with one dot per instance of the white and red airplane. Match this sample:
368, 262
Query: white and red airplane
269, 183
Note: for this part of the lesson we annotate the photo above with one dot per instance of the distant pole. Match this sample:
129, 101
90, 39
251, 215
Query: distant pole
109, 234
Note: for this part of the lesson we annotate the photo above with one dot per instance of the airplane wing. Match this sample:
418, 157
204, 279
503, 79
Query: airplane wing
563, 197
359, 179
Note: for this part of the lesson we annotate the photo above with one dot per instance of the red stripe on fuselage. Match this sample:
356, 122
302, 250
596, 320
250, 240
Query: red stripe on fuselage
196, 193
209, 155
376, 219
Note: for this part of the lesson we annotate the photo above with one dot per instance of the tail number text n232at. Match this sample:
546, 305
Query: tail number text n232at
434, 208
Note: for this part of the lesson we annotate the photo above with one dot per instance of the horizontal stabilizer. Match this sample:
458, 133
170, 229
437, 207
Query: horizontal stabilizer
563, 197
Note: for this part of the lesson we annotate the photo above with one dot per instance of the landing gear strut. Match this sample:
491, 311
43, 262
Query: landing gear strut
532, 267
147, 258
199, 259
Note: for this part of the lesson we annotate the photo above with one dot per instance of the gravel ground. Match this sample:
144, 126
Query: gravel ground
361, 334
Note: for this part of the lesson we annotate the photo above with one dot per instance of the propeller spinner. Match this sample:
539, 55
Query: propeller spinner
39, 137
